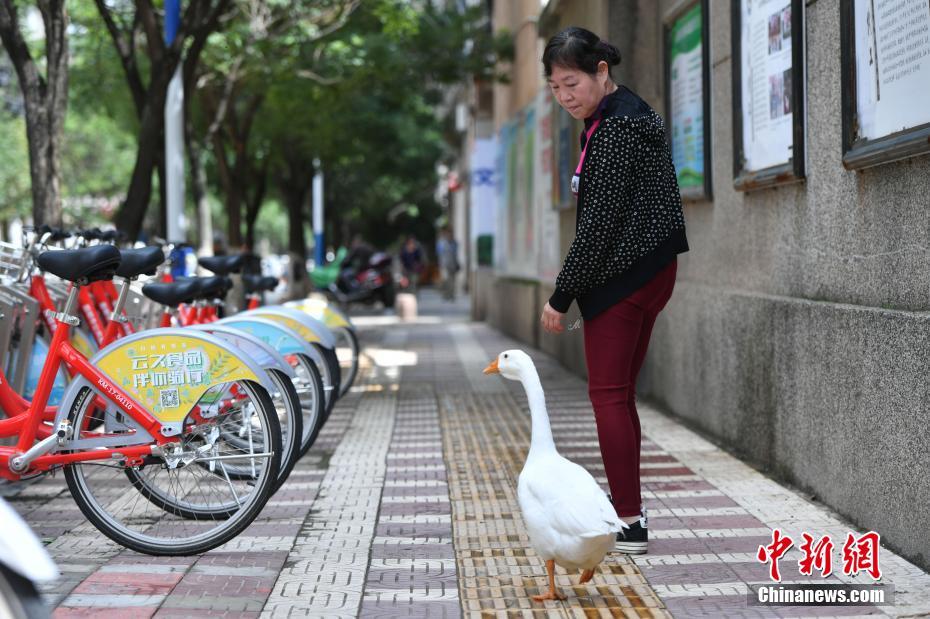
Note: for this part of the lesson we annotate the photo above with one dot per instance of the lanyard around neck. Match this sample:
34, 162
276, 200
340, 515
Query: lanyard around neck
587, 141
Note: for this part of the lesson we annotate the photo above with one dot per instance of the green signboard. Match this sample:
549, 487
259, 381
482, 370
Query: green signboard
686, 99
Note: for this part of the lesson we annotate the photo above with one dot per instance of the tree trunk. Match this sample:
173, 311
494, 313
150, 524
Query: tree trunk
204, 216
296, 241
254, 205
46, 100
161, 225
199, 20
131, 215
234, 213
46, 196
229, 181
198, 189
234, 199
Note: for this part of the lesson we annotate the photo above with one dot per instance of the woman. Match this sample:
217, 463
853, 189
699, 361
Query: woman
621, 266
411, 258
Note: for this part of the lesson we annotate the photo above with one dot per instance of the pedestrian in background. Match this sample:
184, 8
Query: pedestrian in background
447, 252
621, 266
411, 259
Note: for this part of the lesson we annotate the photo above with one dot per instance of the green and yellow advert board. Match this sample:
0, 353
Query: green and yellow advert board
169, 374
686, 97
320, 311
305, 332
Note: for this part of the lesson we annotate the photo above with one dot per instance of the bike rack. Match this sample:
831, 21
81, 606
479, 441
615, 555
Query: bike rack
12, 259
21, 329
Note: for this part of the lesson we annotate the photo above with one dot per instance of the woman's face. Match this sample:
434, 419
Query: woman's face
579, 93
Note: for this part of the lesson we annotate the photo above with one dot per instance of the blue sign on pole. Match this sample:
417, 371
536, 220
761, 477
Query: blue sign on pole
172, 20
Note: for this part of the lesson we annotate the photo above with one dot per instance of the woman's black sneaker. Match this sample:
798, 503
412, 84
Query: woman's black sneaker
633, 540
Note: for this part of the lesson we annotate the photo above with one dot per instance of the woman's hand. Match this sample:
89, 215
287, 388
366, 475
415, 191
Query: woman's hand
552, 320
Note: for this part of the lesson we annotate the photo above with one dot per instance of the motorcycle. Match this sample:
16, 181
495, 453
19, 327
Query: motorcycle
373, 283
324, 275
23, 562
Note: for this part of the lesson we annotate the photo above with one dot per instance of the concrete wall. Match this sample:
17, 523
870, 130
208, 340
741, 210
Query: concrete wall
799, 332
519, 17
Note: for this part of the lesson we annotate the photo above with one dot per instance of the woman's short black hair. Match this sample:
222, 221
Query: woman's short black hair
578, 48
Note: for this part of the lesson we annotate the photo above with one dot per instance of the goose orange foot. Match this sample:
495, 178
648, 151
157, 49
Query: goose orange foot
586, 576
552, 593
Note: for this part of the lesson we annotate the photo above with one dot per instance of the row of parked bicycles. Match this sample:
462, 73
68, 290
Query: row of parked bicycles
172, 417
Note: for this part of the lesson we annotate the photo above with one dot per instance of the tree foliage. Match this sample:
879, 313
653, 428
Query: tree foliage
42, 75
15, 195
271, 88
370, 115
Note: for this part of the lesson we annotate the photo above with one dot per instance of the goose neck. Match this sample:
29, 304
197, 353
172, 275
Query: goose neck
541, 440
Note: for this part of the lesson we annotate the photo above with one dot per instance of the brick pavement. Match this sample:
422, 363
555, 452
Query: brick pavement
406, 507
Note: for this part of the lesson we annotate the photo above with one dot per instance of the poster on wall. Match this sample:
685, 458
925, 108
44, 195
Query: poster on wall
483, 197
768, 92
517, 253
547, 217
687, 113
520, 229
526, 238
886, 60
504, 140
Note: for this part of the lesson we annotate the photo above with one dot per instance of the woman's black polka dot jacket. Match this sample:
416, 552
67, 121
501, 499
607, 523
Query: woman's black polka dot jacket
629, 221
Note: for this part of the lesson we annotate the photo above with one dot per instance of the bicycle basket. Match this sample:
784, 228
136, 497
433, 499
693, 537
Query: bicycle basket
12, 260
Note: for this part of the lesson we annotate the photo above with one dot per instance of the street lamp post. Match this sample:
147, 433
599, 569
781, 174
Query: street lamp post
318, 250
174, 136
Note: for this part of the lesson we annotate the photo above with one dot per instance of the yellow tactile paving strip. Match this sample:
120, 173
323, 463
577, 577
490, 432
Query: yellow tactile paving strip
484, 443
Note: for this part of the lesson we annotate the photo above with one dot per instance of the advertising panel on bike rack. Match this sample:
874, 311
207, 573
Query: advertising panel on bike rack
260, 351
286, 341
320, 310
308, 327
171, 373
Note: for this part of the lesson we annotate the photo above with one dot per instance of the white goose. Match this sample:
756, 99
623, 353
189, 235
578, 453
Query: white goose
569, 519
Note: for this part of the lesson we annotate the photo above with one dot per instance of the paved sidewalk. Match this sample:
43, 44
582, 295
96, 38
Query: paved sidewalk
406, 507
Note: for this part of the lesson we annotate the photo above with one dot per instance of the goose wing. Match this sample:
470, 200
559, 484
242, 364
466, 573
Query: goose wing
573, 502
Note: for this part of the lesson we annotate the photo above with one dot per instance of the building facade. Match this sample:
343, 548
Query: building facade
798, 335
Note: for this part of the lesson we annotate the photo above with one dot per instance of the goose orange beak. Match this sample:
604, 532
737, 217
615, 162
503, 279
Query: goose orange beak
492, 368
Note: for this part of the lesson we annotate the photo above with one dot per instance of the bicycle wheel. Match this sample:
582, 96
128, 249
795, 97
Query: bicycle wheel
18, 597
290, 416
330, 372
347, 350
170, 507
309, 386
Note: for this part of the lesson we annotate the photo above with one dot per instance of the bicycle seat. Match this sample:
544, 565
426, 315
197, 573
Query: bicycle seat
91, 234
221, 265
213, 287
172, 294
257, 283
135, 262
56, 234
81, 266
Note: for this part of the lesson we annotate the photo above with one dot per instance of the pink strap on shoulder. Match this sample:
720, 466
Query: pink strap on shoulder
586, 142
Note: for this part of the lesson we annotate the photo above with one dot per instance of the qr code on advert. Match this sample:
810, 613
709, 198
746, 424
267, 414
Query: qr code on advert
169, 398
